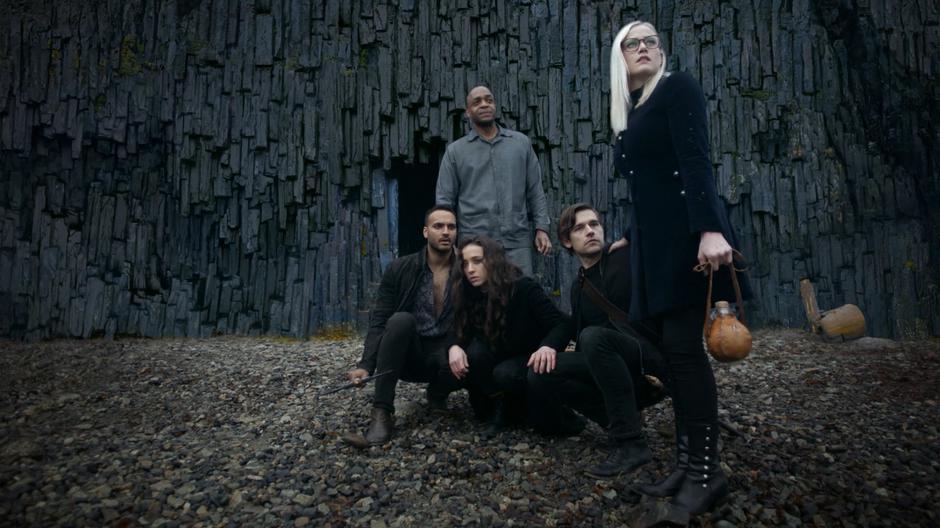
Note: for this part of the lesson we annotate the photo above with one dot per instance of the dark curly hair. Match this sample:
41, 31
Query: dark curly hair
483, 310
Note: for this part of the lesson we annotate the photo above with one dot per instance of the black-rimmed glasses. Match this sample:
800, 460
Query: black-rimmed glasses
633, 44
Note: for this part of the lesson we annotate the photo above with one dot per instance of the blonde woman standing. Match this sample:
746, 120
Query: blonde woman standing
678, 221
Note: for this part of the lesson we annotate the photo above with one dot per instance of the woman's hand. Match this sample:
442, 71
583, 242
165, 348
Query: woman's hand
714, 249
457, 359
542, 360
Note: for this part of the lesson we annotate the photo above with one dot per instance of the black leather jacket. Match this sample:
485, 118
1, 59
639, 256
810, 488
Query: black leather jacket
396, 293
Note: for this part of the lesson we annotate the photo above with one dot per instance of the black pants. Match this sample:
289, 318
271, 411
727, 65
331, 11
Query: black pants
491, 375
614, 362
412, 358
694, 395
568, 386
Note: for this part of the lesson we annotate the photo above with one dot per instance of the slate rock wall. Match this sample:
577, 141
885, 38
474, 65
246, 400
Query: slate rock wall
226, 166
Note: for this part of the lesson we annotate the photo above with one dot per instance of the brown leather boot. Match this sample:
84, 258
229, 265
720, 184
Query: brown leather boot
381, 426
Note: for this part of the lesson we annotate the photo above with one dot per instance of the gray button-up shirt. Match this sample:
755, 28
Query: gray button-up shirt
494, 185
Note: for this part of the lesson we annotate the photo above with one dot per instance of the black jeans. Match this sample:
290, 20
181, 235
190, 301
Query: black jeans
492, 375
568, 386
694, 395
614, 362
412, 358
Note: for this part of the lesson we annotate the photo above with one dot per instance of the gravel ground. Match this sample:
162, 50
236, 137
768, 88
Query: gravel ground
228, 431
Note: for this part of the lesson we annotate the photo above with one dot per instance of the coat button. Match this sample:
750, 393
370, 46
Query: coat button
619, 136
682, 193
624, 156
631, 172
675, 174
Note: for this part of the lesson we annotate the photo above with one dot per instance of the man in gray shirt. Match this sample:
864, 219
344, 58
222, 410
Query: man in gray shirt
492, 177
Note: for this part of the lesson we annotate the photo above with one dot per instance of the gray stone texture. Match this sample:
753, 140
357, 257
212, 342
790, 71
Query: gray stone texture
201, 167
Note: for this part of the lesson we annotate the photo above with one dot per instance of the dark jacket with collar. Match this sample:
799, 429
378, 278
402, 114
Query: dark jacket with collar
614, 271
664, 152
396, 293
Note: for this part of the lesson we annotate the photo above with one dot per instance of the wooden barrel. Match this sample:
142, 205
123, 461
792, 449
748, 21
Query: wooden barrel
843, 323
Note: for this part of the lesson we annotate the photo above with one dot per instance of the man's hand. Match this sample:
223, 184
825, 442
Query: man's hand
355, 375
542, 360
714, 249
457, 359
623, 242
542, 243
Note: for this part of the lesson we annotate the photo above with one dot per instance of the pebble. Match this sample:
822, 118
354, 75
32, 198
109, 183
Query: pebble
303, 500
102, 491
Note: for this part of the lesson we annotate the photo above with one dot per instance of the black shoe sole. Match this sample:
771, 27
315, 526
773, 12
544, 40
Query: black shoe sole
620, 473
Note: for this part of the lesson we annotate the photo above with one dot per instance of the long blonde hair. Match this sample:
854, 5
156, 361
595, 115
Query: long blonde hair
620, 104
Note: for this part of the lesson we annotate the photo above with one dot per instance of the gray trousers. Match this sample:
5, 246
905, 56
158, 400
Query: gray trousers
521, 257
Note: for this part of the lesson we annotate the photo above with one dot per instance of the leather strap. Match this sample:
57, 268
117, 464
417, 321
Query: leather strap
707, 267
602, 302
615, 314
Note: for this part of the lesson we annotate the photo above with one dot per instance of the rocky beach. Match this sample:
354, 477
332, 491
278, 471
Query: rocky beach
229, 431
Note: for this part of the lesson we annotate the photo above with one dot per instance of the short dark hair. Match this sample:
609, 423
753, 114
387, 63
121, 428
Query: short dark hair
438, 207
566, 221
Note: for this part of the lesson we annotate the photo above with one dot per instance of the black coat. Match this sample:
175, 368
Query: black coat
396, 293
664, 154
532, 320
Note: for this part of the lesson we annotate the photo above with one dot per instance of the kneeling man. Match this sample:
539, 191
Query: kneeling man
409, 325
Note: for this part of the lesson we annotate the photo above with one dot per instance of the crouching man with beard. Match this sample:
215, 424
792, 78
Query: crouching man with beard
409, 325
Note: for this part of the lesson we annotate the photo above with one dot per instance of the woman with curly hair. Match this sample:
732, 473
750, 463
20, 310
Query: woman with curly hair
504, 323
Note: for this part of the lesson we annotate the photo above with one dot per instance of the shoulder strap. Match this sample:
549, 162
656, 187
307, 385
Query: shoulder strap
614, 313
596, 297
